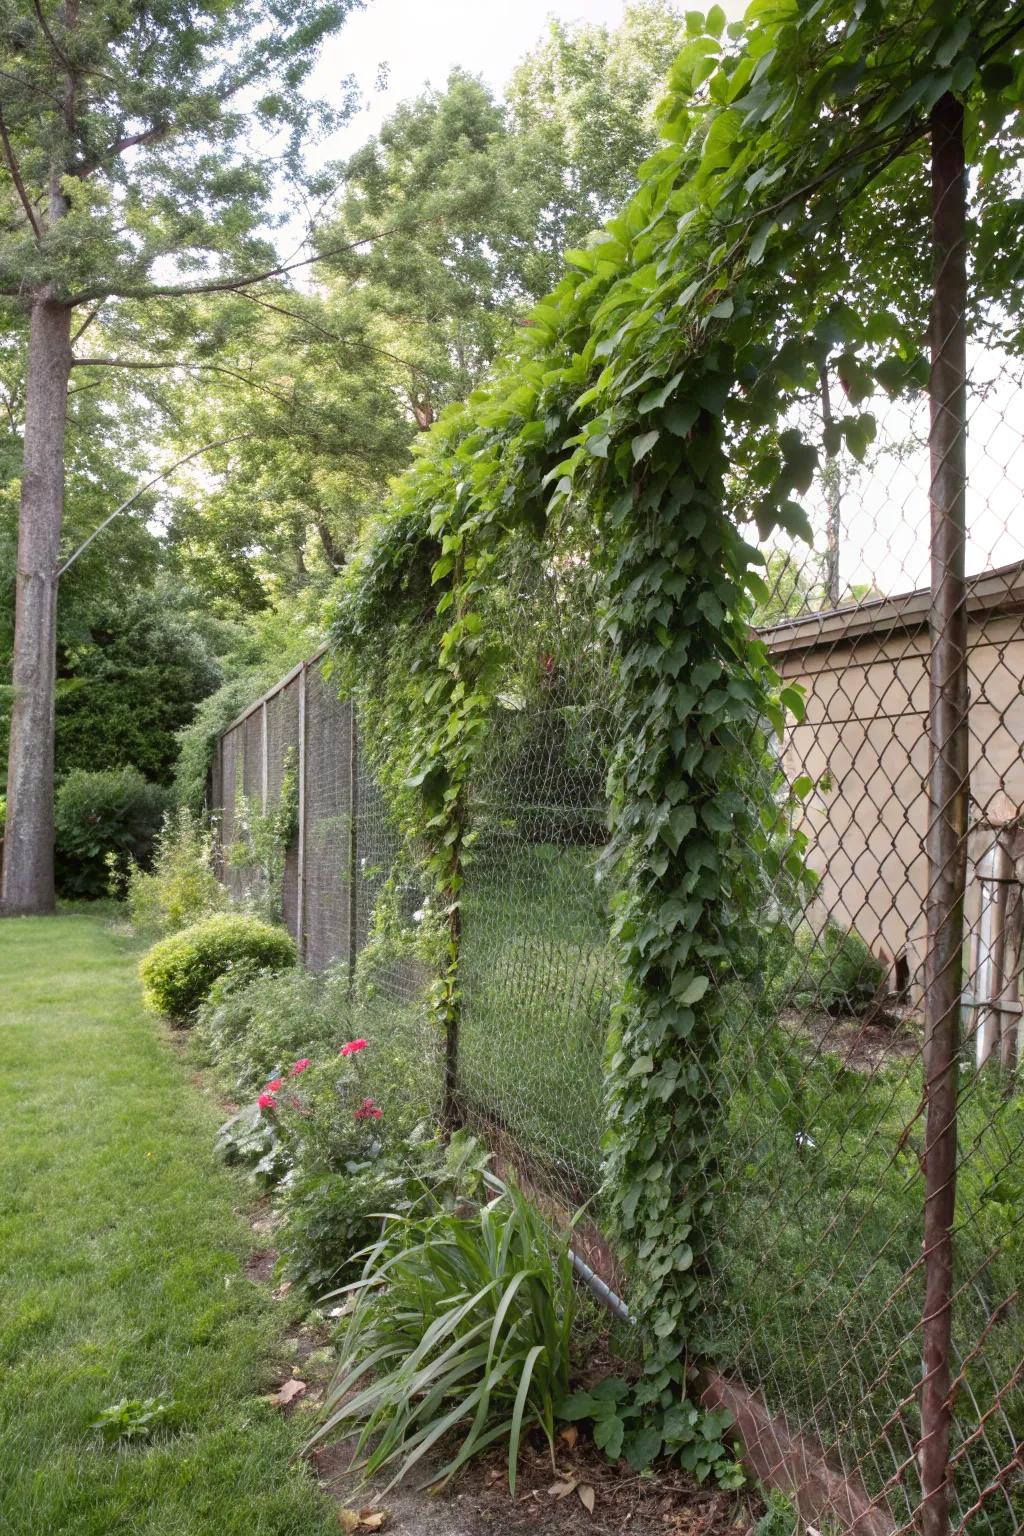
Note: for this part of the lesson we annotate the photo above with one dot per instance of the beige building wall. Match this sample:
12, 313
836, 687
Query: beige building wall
864, 743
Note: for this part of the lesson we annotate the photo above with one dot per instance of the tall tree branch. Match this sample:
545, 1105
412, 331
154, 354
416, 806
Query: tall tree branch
57, 49
133, 366
321, 330
185, 459
90, 317
19, 185
231, 284
153, 135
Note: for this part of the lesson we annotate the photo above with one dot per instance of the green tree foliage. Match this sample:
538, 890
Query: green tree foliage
581, 117
447, 226
133, 686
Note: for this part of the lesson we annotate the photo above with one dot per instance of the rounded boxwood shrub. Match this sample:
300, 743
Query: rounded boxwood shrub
103, 822
178, 972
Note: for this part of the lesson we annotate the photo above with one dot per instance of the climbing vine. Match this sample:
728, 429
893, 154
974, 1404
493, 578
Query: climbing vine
652, 408
266, 838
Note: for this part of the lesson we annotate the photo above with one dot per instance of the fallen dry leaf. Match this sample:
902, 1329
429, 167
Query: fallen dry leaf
561, 1490
352, 1520
282, 1290
570, 1434
585, 1494
288, 1392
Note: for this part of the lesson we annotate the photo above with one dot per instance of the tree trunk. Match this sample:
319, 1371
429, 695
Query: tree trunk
28, 842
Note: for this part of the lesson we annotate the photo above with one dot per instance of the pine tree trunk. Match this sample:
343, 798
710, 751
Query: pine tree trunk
28, 842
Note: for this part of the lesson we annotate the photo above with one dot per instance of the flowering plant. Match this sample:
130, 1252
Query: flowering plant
326, 1117
268, 1098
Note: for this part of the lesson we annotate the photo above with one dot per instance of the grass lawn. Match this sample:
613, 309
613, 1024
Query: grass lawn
122, 1253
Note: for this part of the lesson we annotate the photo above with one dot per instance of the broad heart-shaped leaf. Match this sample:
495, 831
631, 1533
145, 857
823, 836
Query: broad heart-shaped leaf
655, 398
643, 1448
680, 821
608, 1436
643, 443
680, 416
694, 991
579, 1405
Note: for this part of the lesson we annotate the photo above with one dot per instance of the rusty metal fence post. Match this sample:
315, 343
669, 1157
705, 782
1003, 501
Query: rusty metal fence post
300, 922
947, 795
353, 846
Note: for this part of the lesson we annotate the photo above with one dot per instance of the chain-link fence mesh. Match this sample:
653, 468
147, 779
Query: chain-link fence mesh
534, 930
326, 814
856, 1218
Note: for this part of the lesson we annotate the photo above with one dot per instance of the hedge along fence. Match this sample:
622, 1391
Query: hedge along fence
585, 521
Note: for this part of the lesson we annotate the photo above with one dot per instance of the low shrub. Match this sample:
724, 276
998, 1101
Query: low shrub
252, 1028
633, 1424
339, 1134
181, 886
830, 971
179, 971
465, 1320
105, 822
331, 1217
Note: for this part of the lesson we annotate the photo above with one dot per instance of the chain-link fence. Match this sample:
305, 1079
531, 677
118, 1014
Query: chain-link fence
864, 1285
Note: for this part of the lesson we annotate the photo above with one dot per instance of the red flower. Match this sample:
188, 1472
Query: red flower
274, 1086
267, 1101
353, 1046
300, 1066
369, 1111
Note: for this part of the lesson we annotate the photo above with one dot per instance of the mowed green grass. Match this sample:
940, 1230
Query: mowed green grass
122, 1268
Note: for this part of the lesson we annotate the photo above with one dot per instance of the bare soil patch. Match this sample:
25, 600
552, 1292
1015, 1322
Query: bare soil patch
547, 1502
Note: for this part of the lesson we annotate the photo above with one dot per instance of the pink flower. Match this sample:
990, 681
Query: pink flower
300, 1066
353, 1046
274, 1086
267, 1101
369, 1111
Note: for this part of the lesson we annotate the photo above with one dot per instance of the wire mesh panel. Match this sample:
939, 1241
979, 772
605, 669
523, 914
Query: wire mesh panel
328, 823
536, 973
283, 776
823, 1108
252, 783
390, 908
233, 745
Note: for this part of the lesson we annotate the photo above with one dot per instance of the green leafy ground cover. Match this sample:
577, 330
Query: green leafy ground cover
122, 1275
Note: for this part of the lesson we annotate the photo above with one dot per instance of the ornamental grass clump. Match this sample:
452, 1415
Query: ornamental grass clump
179, 971
459, 1327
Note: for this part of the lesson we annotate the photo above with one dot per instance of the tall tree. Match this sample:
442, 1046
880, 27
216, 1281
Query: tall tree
448, 225
127, 174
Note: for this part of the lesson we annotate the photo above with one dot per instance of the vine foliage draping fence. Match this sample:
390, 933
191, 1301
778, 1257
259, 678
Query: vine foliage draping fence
571, 729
